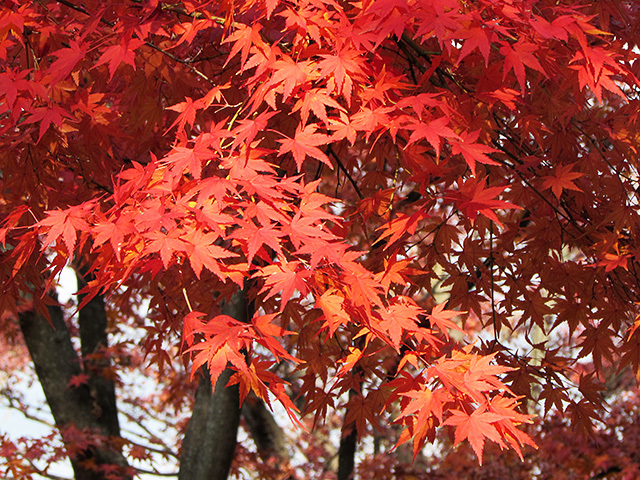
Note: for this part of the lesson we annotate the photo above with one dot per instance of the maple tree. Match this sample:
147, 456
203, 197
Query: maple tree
345, 208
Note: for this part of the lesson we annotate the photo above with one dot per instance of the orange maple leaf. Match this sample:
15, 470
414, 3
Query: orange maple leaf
442, 319
476, 428
305, 143
342, 68
331, 303
65, 223
563, 179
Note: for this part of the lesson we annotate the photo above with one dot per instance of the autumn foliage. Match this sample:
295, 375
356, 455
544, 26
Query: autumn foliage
429, 206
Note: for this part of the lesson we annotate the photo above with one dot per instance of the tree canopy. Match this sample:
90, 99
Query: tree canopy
420, 215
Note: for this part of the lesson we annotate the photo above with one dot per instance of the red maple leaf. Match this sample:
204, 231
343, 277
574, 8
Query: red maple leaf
395, 271
114, 231
243, 38
202, 252
224, 340
479, 38
475, 198
267, 333
612, 261
354, 356
399, 317
596, 68
247, 129
254, 238
553, 29
342, 128
331, 303
518, 56
271, 6
401, 225
305, 143
285, 278
421, 403
115, 55
67, 60
166, 244
434, 131
188, 30
187, 110
46, 116
190, 160
360, 411
292, 74
11, 82
472, 152
77, 380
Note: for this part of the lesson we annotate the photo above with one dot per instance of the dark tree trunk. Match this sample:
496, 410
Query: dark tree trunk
347, 453
347, 450
210, 438
56, 362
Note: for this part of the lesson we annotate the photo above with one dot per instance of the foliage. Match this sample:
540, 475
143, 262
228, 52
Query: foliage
377, 177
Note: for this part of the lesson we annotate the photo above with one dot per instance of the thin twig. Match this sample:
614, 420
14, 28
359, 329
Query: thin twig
44, 473
493, 300
152, 435
155, 472
331, 152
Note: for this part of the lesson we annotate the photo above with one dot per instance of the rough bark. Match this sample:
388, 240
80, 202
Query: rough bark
56, 362
210, 438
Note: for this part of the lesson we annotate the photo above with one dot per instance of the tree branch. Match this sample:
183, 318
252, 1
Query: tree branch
267, 435
354, 184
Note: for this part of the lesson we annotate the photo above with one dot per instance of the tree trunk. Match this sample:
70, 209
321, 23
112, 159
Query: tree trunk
348, 446
268, 437
210, 438
265, 431
347, 453
92, 322
56, 362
